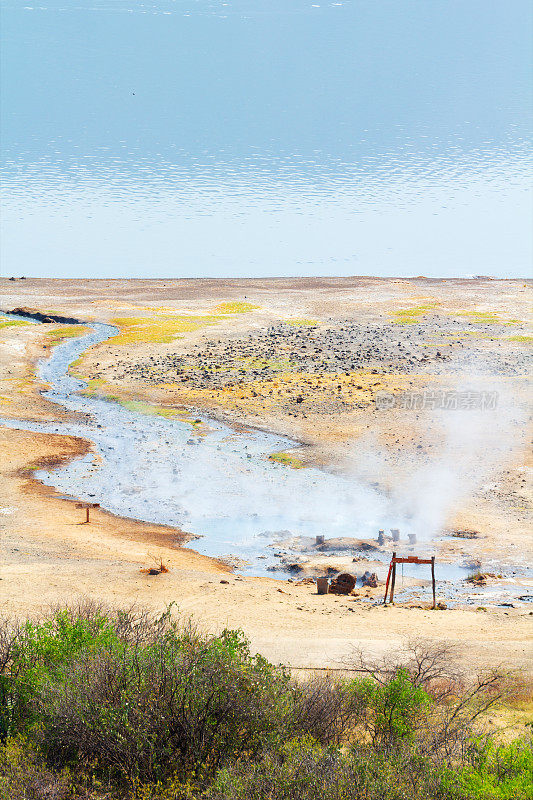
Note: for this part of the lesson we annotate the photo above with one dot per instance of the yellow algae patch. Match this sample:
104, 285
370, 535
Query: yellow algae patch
152, 409
287, 460
476, 334
523, 339
66, 332
5, 322
163, 329
93, 384
235, 307
479, 317
304, 323
73, 371
406, 316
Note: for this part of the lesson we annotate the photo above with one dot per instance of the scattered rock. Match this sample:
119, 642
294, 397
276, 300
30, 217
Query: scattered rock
370, 579
33, 313
342, 584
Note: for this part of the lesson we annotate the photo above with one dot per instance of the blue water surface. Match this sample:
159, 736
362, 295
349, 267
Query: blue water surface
266, 137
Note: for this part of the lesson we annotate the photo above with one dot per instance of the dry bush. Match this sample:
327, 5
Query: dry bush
448, 724
25, 776
327, 709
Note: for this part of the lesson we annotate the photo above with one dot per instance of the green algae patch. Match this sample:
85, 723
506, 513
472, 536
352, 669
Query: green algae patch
303, 323
287, 460
235, 307
161, 330
151, 409
523, 339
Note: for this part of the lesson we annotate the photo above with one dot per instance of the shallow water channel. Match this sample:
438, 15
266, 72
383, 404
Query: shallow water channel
206, 478
202, 476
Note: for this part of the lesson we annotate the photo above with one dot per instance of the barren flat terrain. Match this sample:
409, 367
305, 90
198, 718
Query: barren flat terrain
362, 374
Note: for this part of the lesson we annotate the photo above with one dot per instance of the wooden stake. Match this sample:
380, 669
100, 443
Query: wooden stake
393, 580
387, 584
433, 578
87, 506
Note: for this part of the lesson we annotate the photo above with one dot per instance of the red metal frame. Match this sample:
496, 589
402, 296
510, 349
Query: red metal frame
407, 560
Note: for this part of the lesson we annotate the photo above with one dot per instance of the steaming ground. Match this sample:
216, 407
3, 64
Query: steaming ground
304, 362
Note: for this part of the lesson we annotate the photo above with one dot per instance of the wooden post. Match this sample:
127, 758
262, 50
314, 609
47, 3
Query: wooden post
87, 506
393, 579
433, 578
387, 584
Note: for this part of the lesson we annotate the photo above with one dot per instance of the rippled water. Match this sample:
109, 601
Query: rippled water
265, 137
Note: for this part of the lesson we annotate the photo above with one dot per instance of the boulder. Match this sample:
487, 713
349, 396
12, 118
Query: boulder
342, 584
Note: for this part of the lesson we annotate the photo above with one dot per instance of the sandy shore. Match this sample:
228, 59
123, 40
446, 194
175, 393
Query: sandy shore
246, 352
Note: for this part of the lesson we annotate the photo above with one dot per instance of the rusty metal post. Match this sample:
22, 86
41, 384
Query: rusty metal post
393, 581
87, 514
433, 579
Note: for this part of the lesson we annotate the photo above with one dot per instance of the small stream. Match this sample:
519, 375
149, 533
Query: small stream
204, 478
200, 475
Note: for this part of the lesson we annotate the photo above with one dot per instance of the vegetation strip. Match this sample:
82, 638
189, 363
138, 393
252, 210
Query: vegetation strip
109, 705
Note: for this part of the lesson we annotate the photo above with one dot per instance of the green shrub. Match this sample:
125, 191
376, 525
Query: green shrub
393, 709
37, 653
494, 772
180, 705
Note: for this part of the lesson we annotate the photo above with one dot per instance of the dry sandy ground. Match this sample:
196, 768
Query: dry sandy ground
49, 557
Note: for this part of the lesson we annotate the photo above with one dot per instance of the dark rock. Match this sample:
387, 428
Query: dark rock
342, 584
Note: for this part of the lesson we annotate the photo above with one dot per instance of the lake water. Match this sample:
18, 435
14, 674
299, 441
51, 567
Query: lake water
266, 137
